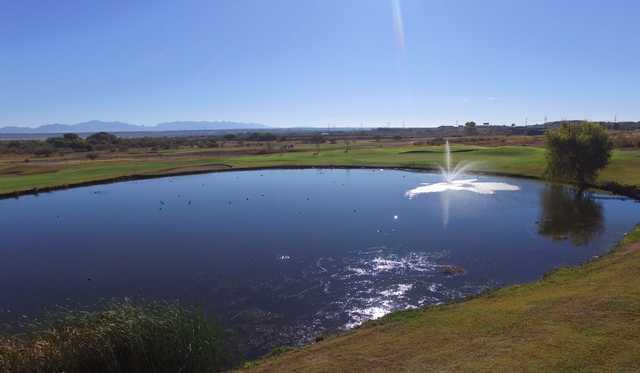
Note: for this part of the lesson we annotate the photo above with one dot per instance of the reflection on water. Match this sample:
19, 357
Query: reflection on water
566, 213
380, 280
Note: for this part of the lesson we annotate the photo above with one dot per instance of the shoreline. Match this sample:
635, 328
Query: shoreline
610, 187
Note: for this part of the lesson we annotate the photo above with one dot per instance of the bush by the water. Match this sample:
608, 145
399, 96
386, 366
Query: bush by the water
577, 152
122, 338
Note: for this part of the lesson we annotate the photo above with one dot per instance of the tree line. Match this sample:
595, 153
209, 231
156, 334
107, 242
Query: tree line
103, 141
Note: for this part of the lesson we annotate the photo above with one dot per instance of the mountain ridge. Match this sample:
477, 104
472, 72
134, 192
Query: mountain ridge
115, 126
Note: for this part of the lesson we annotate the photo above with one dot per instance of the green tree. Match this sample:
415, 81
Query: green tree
71, 137
470, 128
68, 141
577, 152
102, 138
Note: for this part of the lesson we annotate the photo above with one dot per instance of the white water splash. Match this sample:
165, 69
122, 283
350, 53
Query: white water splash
470, 185
451, 182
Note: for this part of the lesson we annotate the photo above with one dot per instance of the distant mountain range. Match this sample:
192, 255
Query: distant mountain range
99, 126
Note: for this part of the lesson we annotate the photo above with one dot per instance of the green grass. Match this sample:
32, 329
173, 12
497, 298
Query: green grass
630, 238
511, 160
74, 173
528, 161
624, 168
122, 338
514, 160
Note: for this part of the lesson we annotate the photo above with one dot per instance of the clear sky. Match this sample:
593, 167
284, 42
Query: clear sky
314, 62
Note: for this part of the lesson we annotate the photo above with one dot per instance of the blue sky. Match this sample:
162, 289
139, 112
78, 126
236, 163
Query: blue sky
314, 62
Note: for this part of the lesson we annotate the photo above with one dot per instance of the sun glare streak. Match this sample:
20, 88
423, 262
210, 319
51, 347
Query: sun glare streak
398, 24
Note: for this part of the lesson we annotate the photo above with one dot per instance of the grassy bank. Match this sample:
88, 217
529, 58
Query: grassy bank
513, 160
122, 338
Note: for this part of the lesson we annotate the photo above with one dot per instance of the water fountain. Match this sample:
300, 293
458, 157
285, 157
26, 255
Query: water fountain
450, 175
451, 181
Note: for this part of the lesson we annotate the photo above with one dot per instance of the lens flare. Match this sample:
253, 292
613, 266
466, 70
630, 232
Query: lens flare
398, 24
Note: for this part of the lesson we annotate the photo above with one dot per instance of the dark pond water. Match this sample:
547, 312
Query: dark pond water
281, 256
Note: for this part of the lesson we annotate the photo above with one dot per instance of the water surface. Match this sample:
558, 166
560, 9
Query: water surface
282, 256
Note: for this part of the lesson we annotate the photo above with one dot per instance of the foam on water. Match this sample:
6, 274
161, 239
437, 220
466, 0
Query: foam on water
470, 185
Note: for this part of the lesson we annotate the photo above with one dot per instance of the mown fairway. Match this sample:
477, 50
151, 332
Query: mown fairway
513, 160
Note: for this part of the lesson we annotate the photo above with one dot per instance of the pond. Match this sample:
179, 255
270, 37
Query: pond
282, 256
